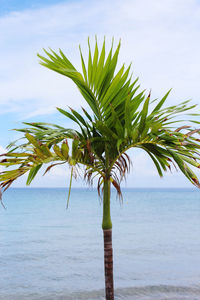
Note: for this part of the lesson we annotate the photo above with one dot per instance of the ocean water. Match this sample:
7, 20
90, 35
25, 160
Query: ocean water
50, 253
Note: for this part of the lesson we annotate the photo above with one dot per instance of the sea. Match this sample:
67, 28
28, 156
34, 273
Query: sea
48, 252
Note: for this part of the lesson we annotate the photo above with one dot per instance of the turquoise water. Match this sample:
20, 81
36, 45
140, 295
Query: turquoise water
50, 253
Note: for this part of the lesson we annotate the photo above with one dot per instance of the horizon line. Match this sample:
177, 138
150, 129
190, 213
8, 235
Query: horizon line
92, 188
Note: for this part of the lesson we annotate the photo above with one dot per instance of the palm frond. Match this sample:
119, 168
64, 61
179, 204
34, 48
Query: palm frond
120, 117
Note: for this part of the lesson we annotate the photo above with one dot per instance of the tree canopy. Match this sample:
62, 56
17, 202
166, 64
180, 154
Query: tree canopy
119, 117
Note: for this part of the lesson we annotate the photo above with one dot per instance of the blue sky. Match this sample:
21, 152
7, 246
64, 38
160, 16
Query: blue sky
8, 6
161, 38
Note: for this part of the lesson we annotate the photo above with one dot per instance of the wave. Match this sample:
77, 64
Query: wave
161, 292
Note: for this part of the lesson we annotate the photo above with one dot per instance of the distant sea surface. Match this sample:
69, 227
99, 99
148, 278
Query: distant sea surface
50, 253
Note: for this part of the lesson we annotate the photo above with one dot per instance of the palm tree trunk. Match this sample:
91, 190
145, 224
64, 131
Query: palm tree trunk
108, 264
107, 233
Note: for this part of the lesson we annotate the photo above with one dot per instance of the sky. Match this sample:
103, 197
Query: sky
161, 38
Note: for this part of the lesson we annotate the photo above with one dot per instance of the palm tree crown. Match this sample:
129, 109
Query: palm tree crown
121, 118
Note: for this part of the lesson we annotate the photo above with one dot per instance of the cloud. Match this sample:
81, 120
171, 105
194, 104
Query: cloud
2, 150
24, 34
160, 37
144, 174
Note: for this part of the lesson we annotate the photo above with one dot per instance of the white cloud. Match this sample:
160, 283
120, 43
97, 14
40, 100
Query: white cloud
161, 37
24, 34
144, 174
2, 150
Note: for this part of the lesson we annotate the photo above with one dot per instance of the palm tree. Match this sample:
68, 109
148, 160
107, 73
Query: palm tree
117, 118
